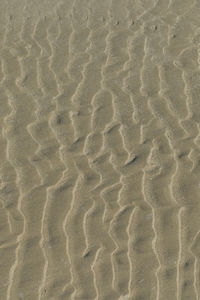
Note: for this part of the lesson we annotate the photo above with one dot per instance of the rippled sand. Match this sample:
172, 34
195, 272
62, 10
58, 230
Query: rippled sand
100, 150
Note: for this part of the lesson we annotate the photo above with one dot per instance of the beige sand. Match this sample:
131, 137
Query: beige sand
99, 156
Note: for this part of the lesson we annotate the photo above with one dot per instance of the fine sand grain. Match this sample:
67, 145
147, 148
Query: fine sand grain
100, 150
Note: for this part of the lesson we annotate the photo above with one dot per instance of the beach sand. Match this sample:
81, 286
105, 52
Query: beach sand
100, 150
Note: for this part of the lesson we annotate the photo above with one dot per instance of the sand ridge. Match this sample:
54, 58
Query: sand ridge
99, 158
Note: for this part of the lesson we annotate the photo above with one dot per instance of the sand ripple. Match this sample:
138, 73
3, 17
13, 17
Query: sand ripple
99, 158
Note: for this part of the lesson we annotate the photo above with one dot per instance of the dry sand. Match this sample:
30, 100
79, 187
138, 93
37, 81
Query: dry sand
100, 150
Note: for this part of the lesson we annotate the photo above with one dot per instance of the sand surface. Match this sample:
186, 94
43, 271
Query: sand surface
100, 150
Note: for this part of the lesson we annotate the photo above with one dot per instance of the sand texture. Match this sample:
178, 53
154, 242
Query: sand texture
100, 150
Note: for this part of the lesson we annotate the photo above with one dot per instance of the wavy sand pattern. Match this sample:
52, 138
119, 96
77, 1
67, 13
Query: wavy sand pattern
100, 150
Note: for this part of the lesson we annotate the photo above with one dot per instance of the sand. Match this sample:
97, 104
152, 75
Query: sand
100, 150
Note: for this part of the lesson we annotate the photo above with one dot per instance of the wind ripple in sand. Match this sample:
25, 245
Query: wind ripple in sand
99, 158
